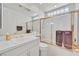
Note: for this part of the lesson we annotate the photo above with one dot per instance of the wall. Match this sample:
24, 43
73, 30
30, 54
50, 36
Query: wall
36, 26
12, 18
77, 6
62, 23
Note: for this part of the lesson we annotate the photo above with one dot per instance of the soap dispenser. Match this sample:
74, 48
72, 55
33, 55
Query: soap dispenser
8, 37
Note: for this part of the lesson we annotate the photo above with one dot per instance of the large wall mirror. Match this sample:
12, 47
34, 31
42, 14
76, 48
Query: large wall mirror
0, 15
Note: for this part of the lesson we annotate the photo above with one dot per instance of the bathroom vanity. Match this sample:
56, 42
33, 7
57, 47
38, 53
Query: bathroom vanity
20, 46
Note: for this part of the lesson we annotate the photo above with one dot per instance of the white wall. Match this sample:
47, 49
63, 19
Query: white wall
62, 23
36, 26
77, 6
12, 18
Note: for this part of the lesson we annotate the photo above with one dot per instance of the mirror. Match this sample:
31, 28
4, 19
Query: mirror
0, 15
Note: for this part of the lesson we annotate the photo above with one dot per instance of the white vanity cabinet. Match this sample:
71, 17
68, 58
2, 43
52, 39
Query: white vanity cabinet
15, 51
33, 51
30, 48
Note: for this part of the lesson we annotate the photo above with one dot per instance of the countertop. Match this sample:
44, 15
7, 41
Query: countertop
4, 45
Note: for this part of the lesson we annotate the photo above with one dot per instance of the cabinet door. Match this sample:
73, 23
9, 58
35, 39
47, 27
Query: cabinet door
59, 38
16, 51
68, 39
24, 53
34, 51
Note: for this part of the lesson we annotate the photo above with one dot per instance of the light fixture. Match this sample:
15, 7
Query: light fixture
55, 6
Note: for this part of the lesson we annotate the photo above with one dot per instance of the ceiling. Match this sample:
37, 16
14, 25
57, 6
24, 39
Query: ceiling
46, 6
32, 8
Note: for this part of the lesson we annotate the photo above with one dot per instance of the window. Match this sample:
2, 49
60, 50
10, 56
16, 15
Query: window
66, 9
54, 12
35, 17
58, 11
49, 14
62, 11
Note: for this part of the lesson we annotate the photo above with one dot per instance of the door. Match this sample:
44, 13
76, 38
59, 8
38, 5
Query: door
68, 39
59, 38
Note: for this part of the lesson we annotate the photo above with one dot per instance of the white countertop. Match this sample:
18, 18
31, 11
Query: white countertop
15, 41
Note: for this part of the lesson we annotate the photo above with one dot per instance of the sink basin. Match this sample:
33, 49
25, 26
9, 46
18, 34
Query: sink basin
7, 43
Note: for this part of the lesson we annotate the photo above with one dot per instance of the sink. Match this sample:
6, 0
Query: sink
7, 43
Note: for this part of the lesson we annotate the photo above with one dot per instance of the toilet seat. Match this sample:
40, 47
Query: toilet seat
43, 45
43, 49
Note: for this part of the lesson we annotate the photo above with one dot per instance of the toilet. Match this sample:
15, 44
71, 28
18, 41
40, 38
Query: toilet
43, 49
